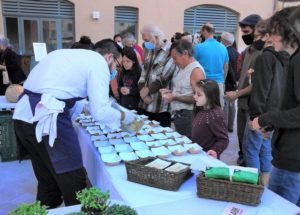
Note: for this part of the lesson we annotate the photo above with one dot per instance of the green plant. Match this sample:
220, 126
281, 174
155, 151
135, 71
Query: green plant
30, 209
116, 209
93, 199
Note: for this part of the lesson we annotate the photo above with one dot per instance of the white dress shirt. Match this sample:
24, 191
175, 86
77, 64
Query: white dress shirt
71, 73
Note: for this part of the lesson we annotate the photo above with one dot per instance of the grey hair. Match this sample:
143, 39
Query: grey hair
154, 31
129, 37
4, 41
228, 37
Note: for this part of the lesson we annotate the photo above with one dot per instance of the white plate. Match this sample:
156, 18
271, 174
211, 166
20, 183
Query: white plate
173, 135
130, 139
168, 142
193, 148
128, 156
95, 132
145, 138
161, 151
160, 136
159, 164
177, 150
111, 159
139, 145
114, 135
98, 137
103, 143
182, 140
155, 123
92, 128
106, 150
144, 153
123, 148
116, 141
127, 134
154, 143
141, 132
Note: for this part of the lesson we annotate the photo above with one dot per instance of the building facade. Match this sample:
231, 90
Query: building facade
59, 23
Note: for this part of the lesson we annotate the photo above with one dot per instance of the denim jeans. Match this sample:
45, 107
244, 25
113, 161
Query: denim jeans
257, 150
286, 184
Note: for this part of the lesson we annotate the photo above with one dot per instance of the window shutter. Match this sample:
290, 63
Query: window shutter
222, 19
126, 14
38, 8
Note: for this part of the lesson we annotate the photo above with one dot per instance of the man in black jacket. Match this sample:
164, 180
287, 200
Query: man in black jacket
285, 174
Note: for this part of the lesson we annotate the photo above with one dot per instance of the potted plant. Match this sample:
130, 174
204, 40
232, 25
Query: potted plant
116, 209
30, 209
93, 200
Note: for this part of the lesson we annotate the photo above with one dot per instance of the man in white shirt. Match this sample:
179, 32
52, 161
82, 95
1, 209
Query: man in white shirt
42, 120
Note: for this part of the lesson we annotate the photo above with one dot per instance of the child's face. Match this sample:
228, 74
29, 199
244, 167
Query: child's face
200, 97
127, 63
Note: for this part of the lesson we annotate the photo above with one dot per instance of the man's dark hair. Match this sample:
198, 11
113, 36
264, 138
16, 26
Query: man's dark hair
183, 45
282, 23
117, 35
84, 43
107, 46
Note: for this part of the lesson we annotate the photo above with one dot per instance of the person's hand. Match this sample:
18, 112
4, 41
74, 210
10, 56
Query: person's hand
266, 134
129, 117
168, 97
164, 91
2, 67
231, 95
144, 92
255, 124
212, 153
125, 90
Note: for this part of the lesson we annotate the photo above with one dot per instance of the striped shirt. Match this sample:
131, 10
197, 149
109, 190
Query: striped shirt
161, 68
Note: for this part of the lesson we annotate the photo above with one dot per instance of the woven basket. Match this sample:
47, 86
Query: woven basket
139, 173
228, 191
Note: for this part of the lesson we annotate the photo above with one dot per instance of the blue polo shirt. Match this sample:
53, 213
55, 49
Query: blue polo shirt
212, 55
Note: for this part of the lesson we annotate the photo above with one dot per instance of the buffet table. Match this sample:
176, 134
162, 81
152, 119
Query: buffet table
5, 105
148, 200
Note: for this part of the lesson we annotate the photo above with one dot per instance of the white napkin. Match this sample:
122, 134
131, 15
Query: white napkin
46, 112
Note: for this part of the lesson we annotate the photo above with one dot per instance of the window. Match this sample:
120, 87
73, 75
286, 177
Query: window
28, 21
222, 18
126, 20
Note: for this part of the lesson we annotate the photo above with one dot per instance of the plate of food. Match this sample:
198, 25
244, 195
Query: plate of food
159, 164
173, 135
144, 153
177, 150
177, 167
111, 159
168, 142
116, 141
123, 148
161, 152
154, 143
139, 145
141, 132
193, 148
160, 136
106, 149
127, 134
98, 137
130, 139
182, 140
114, 135
128, 156
145, 137
101, 143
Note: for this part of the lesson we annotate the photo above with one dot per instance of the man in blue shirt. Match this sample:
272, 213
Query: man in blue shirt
213, 56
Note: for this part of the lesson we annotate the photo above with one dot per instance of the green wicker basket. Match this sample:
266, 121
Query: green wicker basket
229, 191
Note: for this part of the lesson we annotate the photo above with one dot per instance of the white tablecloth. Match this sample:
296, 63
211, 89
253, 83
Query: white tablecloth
148, 200
5, 105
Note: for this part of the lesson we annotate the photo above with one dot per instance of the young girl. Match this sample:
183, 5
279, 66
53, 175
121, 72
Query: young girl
128, 81
209, 127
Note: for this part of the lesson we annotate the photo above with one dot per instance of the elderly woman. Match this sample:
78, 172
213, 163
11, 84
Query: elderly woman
10, 62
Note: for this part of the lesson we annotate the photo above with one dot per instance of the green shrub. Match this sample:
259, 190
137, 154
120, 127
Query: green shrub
30, 209
120, 210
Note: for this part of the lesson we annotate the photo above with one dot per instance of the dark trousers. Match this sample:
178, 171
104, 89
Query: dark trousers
242, 117
53, 188
183, 121
164, 118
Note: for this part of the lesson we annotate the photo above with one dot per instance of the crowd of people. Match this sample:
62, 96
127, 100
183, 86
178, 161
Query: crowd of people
193, 81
